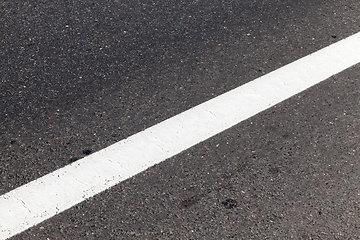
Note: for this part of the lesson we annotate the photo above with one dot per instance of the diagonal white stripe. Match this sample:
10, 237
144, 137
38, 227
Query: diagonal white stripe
51, 194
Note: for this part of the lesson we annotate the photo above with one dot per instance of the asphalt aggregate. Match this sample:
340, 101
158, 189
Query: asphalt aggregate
77, 76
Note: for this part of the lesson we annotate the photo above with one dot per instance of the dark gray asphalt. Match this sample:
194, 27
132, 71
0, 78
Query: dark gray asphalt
78, 76
291, 172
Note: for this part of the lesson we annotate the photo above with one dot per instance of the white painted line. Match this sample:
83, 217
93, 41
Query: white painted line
47, 196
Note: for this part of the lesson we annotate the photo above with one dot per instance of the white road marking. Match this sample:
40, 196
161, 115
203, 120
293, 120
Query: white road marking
51, 194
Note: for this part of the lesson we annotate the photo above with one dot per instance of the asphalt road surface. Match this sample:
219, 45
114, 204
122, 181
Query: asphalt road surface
77, 76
